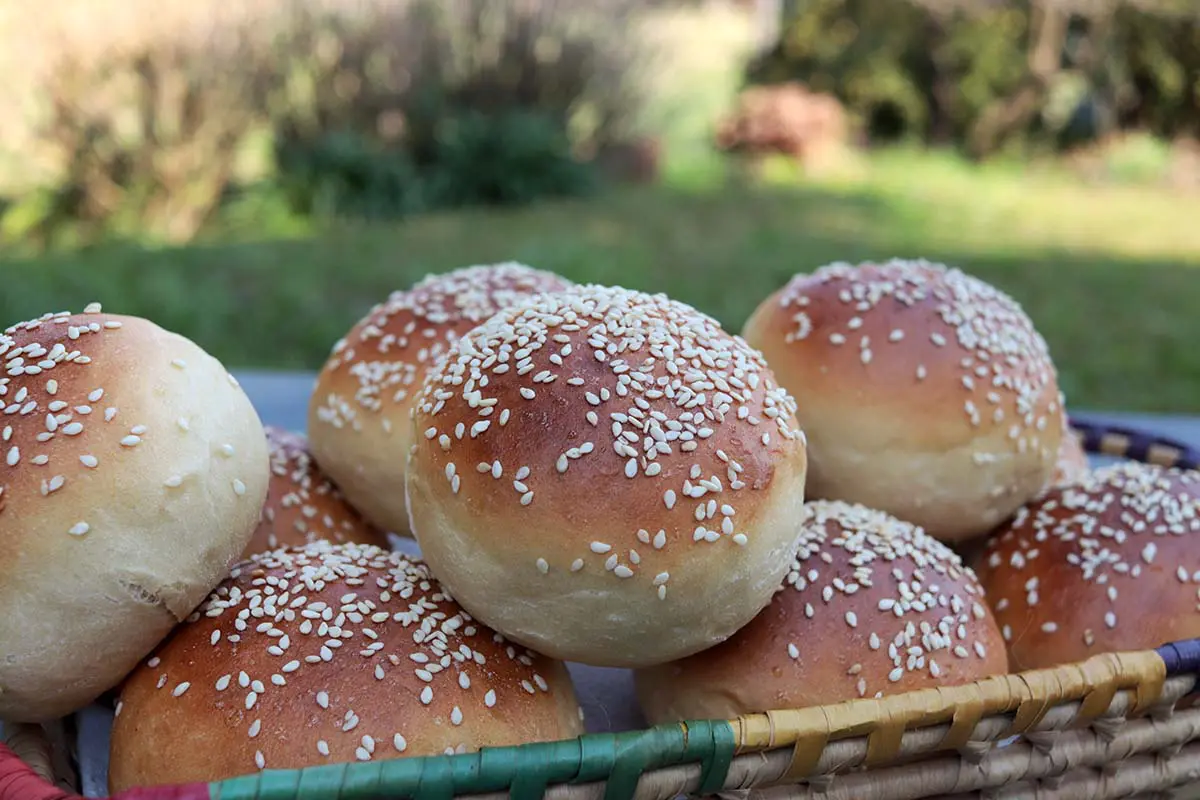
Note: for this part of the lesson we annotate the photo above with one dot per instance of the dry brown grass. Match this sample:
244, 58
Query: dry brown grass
698, 52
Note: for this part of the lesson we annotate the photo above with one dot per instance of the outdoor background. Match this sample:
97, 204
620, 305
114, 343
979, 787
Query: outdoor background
256, 174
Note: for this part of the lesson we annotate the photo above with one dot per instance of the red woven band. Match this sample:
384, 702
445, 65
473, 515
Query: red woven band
19, 782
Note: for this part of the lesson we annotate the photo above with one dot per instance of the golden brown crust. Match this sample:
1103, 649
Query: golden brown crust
303, 505
359, 417
871, 606
132, 469
606, 476
327, 654
924, 392
1108, 563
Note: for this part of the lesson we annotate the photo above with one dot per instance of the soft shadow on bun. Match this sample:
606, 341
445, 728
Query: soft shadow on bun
303, 505
607, 477
327, 654
1108, 563
924, 392
359, 423
871, 606
132, 473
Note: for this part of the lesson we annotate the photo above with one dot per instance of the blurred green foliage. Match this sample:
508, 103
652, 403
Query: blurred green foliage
987, 75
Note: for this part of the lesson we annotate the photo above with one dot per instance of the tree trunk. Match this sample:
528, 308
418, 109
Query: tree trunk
1048, 33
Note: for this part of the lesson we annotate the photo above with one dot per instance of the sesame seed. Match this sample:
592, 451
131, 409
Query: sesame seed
180, 689
489, 699
323, 747
323, 699
259, 760
131, 441
79, 529
179, 363
400, 743
173, 482
426, 695
793, 651
543, 566
239, 488
73, 429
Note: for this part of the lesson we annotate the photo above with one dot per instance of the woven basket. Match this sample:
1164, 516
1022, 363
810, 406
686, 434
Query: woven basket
1116, 725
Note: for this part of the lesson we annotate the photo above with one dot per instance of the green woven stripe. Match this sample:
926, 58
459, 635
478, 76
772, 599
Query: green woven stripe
524, 772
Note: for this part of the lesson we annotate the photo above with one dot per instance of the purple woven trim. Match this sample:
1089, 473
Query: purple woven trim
1136, 445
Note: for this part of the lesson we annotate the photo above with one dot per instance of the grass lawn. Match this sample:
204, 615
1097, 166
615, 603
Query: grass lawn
1111, 275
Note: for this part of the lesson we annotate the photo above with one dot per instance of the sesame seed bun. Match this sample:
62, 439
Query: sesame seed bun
607, 477
359, 422
303, 505
1108, 563
924, 392
871, 606
324, 654
132, 472
1072, 464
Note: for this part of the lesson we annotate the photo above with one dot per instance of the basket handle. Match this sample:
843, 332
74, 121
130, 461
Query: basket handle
1102, 438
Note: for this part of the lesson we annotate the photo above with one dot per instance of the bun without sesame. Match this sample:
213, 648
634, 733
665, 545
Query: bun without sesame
303, 505
325, 654
132, 473
871, 606
607, 477
924, 392
360, 415
1108, 563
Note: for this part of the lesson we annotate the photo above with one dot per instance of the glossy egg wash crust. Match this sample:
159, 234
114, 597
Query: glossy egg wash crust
871, 606
609, 436
65, 406
925, 392
46, 413
360, 414
389, 351
325, 654
1107, 563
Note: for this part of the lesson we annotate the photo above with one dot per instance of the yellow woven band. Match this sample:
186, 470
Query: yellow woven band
1027, 696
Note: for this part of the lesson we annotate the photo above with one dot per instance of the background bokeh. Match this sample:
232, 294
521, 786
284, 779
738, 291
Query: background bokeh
256, 174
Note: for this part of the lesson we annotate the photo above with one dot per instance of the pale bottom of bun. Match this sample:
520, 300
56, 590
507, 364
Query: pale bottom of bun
370, 475
592, 616
954, 495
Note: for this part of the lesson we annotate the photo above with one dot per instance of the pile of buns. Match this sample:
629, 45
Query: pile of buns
872, 489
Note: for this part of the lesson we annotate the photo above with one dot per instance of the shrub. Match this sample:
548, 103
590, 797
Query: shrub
508, 158
986, 74
147, 141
